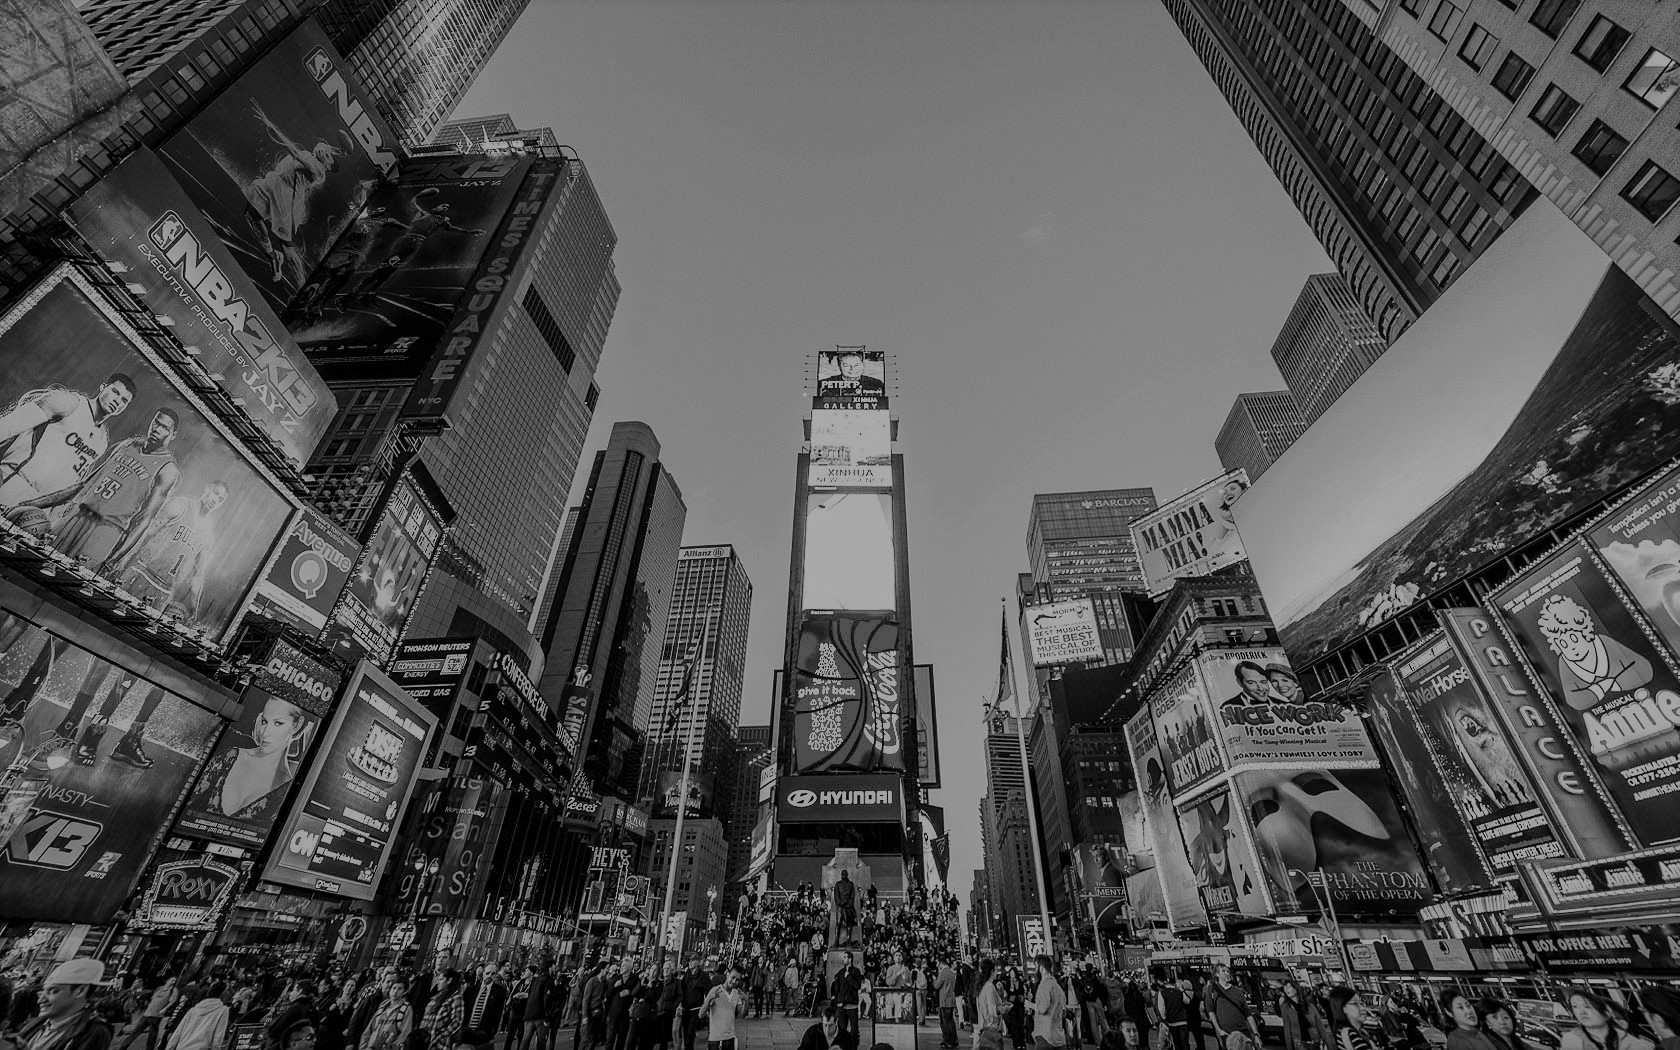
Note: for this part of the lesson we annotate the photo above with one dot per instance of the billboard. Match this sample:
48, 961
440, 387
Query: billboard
851, 377
308, 574
1165, 838
96, 759
670, 790
282, 160
1640, 541
1342, 822
387, 581
1063, 633
1189, 736
239, 795
850, 449
403, 265
849, 551
338, 833
846, 707
1549, 387
138, 218
1134, 864
927, 727
1192, 535
1266, 719
1609, 679
431, 669
839, 799
104, 456
1216, 836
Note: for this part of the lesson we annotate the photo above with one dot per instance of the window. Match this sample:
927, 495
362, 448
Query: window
1407, 225
1411, 7
1655, 79
1445, 270
1477, 47
1554, 110
1445, 20
1599, 147
1473, 226
1601, 43
1513, 76
1552, 15
1426, 244
1652, 190
1455, 200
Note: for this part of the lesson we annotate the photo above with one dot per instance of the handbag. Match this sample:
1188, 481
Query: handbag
989, 1038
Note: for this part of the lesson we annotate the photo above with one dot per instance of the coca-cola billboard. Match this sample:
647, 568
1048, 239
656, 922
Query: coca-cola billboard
847, 693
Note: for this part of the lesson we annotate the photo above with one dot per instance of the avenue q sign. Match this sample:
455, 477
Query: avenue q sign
839, 798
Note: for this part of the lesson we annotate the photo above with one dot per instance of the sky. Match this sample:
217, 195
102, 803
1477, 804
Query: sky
1043, 209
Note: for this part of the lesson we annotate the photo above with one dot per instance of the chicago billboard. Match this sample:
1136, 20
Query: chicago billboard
850, 449
851, 378
849, 551
283, 159
1550, 386
1165, 838
138, 218
1192, 535
107, 458
337, 835
387, 581
846, 693
308, 574
403, 265
839, 799
96, 759
1266, 719
1063, 633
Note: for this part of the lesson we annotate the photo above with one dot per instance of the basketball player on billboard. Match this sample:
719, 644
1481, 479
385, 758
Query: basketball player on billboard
326, 285
169, 564
50, 439
72, 731
420, 228
277, 201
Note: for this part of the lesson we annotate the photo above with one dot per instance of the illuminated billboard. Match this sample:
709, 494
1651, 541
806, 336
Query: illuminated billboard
338, 833
388, 579
282, 160
850, 449
1640, 541
107, 458
1192, 535
239, 796
846, 693
1549, 386
670, 790
1190, 737
96, 758
849, 551
1165, 838
1266, 719
138, 218
851, 378
308, 574
1063, 633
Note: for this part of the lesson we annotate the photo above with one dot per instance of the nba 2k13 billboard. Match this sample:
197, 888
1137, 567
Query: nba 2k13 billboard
107, 458
283, 159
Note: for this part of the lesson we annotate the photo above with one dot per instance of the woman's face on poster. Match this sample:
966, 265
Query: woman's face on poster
277, 726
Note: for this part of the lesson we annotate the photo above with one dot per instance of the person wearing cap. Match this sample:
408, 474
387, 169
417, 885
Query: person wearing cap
67, 1020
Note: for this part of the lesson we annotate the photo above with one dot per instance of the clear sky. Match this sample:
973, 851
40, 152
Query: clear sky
1044, 209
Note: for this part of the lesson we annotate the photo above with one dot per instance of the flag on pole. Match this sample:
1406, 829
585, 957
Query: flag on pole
942, 857
1006, 673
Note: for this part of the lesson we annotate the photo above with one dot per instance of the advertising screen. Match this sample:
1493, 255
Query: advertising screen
431, 669
839, 799
139, 218
851, 378
96, 759
456, 833
1063, 633
846, 707
927, 727
1640, 542
387, 580
1190, 738
1343, 822
850, 450
1265, 718
849, 551
1192, 535
338, 832
1165, 838
308, 574
1222, 856
106, 458
402, 266
239, 795
1549, 387
670, 790
1608, 679
283, 159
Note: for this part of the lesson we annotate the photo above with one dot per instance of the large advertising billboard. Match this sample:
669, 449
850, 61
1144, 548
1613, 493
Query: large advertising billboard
850, 449
138, 218
1063, 632
846, 693
1222, 855
839, 799
308, 574
670, 790
849, 551
1189, 735
1266, 719
1192, 535
388, 579
1342, 822
403, 265
1164, 837
283, 159
244, 784
851, 377
1640, 541
96, 759
1609, 679
1550, 386
927, 727
105, 457
338, 833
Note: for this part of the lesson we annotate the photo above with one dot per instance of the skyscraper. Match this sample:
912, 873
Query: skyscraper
604, 634
418, 57
754, 753
1401, 190
1326, 343
1258, 430
139, 35
496, 133
1009, 860
1079, 544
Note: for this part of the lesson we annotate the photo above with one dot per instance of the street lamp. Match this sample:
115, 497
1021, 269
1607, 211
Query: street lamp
1327, 909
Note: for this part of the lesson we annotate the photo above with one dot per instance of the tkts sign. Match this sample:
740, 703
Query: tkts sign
846, 694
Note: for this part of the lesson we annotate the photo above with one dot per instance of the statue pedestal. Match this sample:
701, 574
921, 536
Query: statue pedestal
845, 859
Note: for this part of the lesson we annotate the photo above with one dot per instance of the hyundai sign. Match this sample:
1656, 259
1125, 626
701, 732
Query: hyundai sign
840, 798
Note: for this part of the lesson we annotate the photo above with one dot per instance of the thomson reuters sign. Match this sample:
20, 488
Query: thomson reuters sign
840, 797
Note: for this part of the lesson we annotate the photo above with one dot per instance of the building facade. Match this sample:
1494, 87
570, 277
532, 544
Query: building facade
1259, 429
1079, 545
701, 874
738, 803
1326, 343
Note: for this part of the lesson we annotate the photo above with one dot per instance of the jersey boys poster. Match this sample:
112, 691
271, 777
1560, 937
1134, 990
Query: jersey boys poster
847, 701
106, 458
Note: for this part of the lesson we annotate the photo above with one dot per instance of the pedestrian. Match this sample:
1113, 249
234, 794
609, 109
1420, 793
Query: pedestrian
445, 1012
619, 997
1049, 1004
1500, 1022
1466, 1033
484, 1004
292, 1006
945, 987
759, 981
1599, 1028
204, 1026
695, 987
150, 1023
723, 1003
333, 1010
848, 991
367, 1004
1303, 1023
1228, 1006
536, 1010
1173, 1004
988, 1009
1347, 1020
389, 1027
790, 987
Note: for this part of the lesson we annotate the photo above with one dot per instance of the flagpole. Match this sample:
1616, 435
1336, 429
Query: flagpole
682, 796
1027, 787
